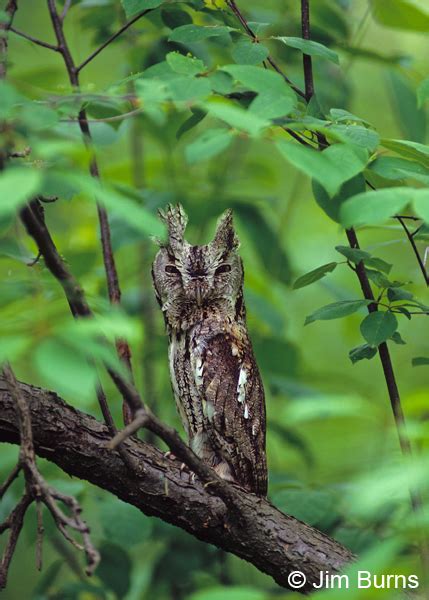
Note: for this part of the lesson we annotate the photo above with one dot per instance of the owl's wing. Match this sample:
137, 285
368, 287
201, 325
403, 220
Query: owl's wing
233, 402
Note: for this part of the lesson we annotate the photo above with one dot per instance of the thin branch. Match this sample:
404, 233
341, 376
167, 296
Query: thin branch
34, 40
14, 523
126, 115
36, 489
307, 60
410, 237
237, 12
66, 8
10, 479
298, 138
112, 38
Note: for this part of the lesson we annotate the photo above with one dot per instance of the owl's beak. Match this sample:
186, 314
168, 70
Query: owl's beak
198, 294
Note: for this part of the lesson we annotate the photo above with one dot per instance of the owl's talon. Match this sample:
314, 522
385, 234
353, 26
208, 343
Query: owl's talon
170, 455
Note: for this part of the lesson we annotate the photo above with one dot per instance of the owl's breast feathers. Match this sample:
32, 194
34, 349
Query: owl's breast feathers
230, 390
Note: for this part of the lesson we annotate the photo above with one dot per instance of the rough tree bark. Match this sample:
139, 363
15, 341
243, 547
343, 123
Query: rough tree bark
275, 543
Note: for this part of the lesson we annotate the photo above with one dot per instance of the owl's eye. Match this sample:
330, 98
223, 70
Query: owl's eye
172, 270
223, 269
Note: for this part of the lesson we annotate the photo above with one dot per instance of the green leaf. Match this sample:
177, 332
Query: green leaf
237, 117
189, 89
247, 52
12, 347
421, 203
356, 256
400, 14
196, 118
374, 207
410, 118
377, 327
266, 241
211, 143
139, 217
423, 92
361, 136
331, 206
331, 168
259, 79
379, 279
229, 593
271, 105
274, 99
17, 186
221, 82
397, 294
65, 369
395, 168
397, 338
309, 47
336, 310
339, 114
196, 33
420, 361
122, 523
114, 569
315, 507
362, 352
411, 150
133, 7
185, 65
314, 275
174, 17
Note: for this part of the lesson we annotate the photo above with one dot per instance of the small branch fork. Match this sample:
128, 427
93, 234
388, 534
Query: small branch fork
412, 241
37, 490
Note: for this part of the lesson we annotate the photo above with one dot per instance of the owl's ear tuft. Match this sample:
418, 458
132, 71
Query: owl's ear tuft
225, 237
176, 220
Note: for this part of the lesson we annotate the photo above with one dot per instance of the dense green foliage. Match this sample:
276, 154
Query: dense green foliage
208, 129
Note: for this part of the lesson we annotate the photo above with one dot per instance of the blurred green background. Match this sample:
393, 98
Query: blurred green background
333, 453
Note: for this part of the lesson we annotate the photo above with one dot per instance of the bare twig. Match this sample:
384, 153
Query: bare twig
410, 237
237, 12
20, 154
36, 489
66, 8
34, 40
10, 479
112, 38
127, 115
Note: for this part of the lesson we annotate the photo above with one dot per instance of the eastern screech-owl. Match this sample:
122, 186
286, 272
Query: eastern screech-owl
215, 379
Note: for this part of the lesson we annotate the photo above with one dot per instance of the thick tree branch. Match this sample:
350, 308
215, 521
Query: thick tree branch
275, 543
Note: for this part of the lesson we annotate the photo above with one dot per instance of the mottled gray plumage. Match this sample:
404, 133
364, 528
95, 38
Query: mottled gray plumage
215, 379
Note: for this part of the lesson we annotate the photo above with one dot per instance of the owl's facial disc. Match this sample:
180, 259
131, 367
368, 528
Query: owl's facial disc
188, 278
